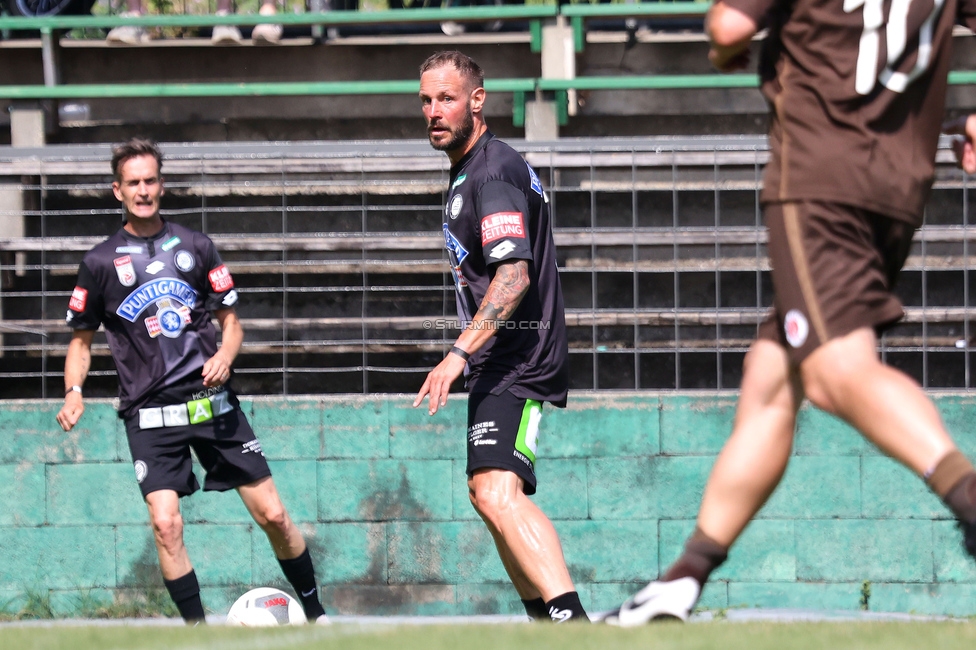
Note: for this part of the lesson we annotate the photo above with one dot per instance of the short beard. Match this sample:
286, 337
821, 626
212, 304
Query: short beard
459, 136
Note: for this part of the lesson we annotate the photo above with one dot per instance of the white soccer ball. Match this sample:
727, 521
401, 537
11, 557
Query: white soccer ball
266, 607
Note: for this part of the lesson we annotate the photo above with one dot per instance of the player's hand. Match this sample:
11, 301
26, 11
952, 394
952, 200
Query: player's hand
726, 60
438, 383
216, 371
71, 412
963, 147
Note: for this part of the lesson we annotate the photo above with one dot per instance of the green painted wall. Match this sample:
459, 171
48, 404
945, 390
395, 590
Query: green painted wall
379, 490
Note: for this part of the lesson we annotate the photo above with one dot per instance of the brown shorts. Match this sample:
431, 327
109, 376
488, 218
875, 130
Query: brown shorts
834, 267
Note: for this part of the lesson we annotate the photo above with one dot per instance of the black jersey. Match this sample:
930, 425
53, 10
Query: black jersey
497, 211
154, 295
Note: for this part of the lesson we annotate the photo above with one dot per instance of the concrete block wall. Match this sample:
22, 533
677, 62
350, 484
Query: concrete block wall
379, 490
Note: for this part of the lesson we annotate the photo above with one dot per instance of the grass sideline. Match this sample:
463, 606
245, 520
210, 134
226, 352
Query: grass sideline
664, 636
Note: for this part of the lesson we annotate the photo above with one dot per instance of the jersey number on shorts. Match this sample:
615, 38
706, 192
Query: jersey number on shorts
896, 34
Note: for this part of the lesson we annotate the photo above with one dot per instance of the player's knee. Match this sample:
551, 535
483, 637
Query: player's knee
168, 529
819, 397
491, 501
828, 378
272, 517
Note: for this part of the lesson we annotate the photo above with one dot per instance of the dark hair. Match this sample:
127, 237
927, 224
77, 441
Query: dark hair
470, 71
131, 149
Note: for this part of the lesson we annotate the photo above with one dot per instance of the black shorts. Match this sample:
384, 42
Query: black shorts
225, 446
502, 434
834, 269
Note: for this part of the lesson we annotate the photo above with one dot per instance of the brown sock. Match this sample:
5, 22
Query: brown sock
954, 480
702, 556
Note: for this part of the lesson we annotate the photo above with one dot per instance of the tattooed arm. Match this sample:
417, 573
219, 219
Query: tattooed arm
505, 292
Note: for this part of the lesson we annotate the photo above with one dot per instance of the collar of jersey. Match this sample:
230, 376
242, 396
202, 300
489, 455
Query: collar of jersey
159, 235
478, 146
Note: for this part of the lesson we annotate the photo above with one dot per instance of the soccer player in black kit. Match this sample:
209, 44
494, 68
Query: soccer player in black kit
154, 286
499, 240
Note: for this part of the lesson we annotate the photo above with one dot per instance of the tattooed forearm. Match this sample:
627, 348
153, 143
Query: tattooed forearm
505, 292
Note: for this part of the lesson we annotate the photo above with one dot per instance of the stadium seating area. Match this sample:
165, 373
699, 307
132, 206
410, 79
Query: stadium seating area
337, 252
335, 244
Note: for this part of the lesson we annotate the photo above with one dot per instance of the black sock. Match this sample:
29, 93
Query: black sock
702, 556
301, 574
185, 592
567, 608
954, 481
961, 499
536, 609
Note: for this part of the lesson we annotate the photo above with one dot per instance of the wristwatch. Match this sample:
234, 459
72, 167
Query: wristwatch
74, 389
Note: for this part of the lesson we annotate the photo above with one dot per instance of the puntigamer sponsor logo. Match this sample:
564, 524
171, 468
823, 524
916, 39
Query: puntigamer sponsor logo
138, 300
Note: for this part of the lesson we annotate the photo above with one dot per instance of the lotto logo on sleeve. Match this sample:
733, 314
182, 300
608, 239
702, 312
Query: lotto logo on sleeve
79, 298
220, 279
502, 224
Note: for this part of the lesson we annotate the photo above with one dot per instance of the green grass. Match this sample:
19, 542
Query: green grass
724, 635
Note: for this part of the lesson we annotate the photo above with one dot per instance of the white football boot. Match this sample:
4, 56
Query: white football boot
657, 601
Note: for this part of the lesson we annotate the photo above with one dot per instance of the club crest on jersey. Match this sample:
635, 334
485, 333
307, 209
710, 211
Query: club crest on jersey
184, 261
220, 279
153, 292
169, 320
456, 204
501, 225
125, 271
534, 180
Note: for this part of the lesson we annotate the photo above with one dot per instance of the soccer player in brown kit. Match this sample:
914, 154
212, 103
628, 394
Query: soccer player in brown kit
154, 286
513, 349
857, 95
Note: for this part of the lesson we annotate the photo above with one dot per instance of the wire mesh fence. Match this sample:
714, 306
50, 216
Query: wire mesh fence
345, 287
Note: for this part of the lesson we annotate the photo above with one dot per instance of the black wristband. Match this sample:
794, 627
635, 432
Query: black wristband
461, 353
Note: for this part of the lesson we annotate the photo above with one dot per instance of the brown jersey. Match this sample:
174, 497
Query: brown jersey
857, 90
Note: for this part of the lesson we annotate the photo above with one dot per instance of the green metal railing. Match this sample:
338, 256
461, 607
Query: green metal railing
652, 82
579, 13
257, 89
331, 18
519, 88
535, 14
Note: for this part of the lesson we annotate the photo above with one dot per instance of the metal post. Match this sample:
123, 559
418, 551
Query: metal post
26, 130
559, 56
50, 59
